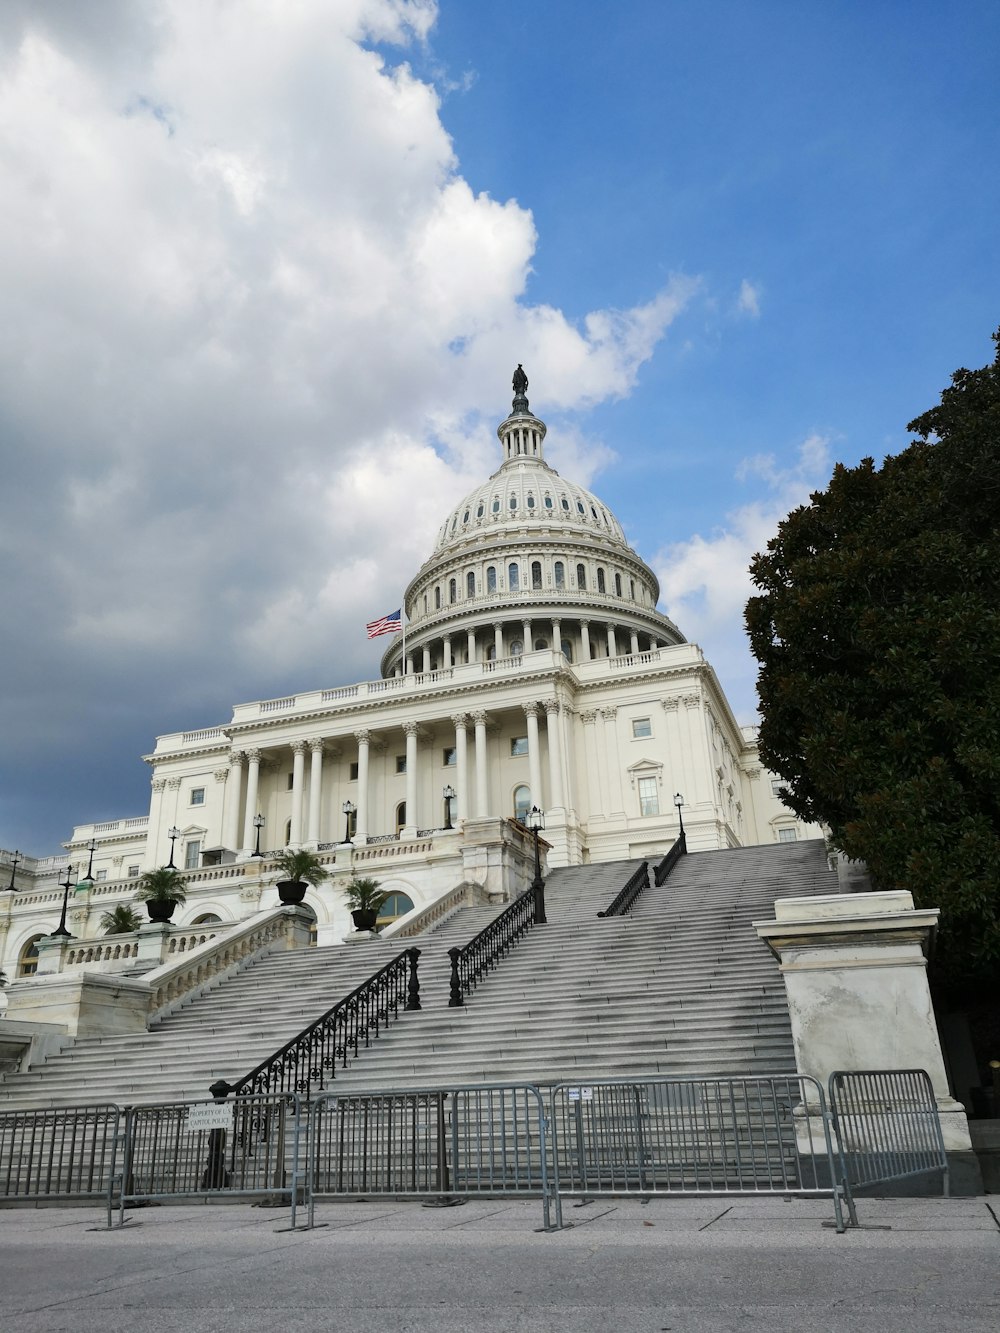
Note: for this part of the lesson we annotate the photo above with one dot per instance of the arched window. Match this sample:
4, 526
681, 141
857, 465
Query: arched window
437, 599
206, 919
560, 573
288, 831
536, 574
601, 587
522, 803
564, 502
580, 508
516, 648
481, 510
531, 501
567, 650
491, 653
352, 824
400, 816
395, 906
496, 504
548, 502
581, 577
618, 585
491, 578
513, 502
452, 590
631, 589
541, 645
470, 584
513, 578
27, 959
465, 517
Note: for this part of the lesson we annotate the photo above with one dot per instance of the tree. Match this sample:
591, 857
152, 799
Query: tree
877, 630
122, 919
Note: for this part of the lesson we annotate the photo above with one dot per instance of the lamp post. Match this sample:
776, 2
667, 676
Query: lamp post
13, 866
173, 834
348, 808
258, 823
60, 931
679, 802
536, 822
89, 876
449, 796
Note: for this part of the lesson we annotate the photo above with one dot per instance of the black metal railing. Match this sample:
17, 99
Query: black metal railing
484, 951
304, 1064
664, 868
627, 894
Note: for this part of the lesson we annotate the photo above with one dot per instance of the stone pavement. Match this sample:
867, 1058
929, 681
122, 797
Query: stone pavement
681, 1266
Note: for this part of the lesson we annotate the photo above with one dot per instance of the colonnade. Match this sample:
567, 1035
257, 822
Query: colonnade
587, 640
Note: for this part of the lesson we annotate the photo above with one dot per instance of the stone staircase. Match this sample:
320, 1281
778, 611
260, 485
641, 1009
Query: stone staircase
680, 986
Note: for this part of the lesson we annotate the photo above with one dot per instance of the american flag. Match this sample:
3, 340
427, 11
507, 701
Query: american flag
390, 624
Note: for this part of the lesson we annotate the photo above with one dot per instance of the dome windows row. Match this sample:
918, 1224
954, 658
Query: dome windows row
535, 576
514, 502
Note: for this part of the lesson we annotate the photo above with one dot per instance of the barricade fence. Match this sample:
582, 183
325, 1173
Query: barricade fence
887, 1125
766, 1135
65, 1153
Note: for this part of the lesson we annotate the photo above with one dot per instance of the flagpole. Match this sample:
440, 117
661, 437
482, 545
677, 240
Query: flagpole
402, 617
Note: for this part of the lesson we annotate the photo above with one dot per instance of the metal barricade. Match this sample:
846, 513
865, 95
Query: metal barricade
765, 1135
887, 1125
442, 1144
247, 1147
60, 1153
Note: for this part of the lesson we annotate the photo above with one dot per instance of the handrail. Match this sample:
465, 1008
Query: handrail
627, 894
312, 1056
675, 853
484, 951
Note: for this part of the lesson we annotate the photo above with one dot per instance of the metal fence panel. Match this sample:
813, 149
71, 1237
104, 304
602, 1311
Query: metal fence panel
766, 1135
887, 1125
431, 1143
60, 1153
250, 1146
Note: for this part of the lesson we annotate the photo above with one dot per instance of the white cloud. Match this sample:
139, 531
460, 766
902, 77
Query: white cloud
705, 581
748, 301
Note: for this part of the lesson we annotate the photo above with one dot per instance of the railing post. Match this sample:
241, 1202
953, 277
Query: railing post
215, 1175
457, 999
413, 988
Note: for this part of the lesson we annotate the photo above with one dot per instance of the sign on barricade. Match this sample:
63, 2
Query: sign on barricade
887, 1126
68, 1152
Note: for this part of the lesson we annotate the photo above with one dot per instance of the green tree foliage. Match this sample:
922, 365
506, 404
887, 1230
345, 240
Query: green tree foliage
877, 630
120, 920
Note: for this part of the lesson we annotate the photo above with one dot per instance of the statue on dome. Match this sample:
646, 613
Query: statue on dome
520, 381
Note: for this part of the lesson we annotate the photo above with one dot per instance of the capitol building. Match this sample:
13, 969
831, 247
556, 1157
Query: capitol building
534, 671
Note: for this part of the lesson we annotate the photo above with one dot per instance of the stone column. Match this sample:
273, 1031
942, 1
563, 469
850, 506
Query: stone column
315, 787
498, 638
635, 644
409, 664
470, 645
250, 808
855, 972
584, 640
526, 635
552, 730
363, 739
597, 804
702, 774
298, 782
461, 764
534, 757
612, 761
557, 636
427, 658
411, 731
446, 663
482, 795
612, 642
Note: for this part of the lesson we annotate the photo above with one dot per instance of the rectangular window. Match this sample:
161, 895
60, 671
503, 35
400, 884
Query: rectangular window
101, 874
192, 850
787, 835
400, 763
133, 872
197, 795
518, 746
641, 726
449, 756
353, 772
649, 801
291, 782
776, 787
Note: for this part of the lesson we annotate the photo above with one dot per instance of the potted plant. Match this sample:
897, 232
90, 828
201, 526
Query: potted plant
121, 920
365, 899
161, 890
297, 870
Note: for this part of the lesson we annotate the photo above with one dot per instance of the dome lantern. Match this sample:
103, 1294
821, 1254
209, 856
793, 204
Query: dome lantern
522, 433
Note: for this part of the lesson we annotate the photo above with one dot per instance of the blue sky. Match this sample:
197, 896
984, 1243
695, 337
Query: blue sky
267, 270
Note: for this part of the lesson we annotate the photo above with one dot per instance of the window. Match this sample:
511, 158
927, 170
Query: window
564, 502
400, 763
618, 585
491, 653
522, 804
352, 772
513, 578
600, 581
449, 756
496, 504
133, 872
288, 831
531, 501
631, 589
787, 835
513, 502
395, 906
581, 576
470, 584
641, 726
101, 874
481, 510
192, 850
541, 645
291, 781
548, 502
197, 795
465, 517
437, 599
776, 787
560, 573
27, 962
452, 590
518, 746
567, 650
400, 816
580, 508
649, 801
536, 574
452, 807
516, 648
491, 578
206, 919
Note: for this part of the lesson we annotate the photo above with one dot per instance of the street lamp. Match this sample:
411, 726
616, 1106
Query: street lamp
449, 796
18, 858
258, 823
173, 834
60, 931
348, 808
536, 822
679, 802
89, 877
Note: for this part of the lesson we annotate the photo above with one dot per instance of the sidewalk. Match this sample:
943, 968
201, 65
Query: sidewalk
719, 1264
